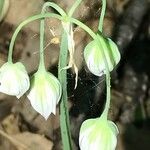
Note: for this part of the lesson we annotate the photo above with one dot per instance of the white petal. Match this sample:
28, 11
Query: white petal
98, 134
113, 127
25, 87
55, 85
14, 79
96, 68
93, 58
85, 132
40, 101
8, 85
44, 93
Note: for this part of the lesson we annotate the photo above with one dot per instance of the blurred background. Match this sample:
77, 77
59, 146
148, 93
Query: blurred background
127, 22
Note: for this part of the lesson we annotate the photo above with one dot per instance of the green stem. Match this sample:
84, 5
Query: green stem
108, 97
42, 64
1, 6
99, 41
56, 7
84, 27
40, 16
65, 117
36, 17
62, 76
108, 86
75, 5
30, 19
100, 26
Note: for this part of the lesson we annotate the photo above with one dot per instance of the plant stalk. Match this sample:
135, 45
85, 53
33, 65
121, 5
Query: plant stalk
62, 76
101, 20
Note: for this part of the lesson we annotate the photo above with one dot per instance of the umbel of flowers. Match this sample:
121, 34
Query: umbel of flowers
44, 90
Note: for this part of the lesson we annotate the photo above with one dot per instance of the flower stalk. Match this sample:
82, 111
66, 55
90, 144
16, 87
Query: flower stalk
62, 76
1, 5
108, 86
42, 64
30, 19
101, 19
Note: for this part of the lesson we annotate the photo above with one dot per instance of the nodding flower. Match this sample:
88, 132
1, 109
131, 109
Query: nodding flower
98, 50
45, 92
98, 134
14, 79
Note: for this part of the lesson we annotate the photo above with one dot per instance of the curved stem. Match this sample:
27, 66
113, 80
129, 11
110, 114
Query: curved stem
108, 86
108, 97
30, 19
99, 41
40, 16
84, 27
56, 7
75, 5
100, 26
42, 64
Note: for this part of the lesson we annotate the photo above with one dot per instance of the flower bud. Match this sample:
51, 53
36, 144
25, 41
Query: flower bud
14, 79
98, 134
94, 56
45, 92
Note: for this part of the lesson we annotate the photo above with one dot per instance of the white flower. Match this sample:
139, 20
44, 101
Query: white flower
94, 57
44, 93
98, 134
14, 79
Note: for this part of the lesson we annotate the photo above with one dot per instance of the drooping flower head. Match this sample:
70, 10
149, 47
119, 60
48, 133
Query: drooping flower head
94, 56
98, 134
14, 79
44, 93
